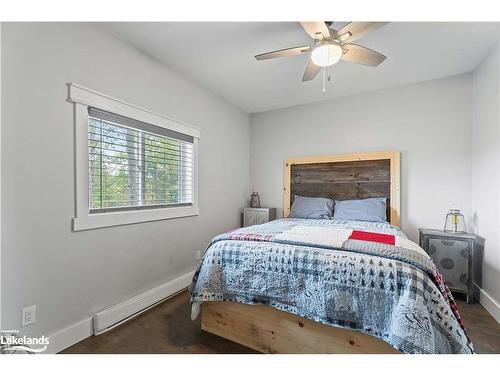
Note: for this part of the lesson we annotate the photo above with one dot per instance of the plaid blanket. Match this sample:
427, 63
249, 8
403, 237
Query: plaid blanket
357, 275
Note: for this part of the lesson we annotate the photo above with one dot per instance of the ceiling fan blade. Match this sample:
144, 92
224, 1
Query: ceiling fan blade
361, 55
356, 30
316, 30
283, 53
311, 72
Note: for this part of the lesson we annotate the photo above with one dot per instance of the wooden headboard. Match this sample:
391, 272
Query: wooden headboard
350, 176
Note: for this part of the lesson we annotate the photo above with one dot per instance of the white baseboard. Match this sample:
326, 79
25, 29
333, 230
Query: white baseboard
111, 317
69, 336
116, 315
492, 306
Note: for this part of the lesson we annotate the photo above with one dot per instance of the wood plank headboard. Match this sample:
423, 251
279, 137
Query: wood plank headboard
350, 176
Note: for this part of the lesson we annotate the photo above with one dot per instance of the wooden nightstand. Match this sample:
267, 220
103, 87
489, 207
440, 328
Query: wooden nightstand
453, 254
254, 216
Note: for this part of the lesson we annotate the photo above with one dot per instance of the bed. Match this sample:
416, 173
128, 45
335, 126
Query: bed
324, 285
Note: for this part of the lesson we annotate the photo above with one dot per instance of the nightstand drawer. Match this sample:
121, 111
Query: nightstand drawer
256, 216
452, 258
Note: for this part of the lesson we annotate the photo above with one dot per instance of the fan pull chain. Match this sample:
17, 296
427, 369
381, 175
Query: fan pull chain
324, 80
326, 76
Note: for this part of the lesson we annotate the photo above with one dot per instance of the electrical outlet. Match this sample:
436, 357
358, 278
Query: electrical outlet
28, 315
198, 254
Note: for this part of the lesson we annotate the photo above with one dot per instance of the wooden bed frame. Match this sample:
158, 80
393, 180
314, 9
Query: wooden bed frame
269, 330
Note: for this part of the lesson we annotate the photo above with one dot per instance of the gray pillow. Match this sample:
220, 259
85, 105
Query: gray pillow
311, 208
371, 209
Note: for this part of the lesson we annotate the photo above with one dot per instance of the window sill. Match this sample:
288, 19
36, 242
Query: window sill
111, 219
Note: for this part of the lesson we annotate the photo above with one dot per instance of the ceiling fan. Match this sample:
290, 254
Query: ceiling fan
330, 46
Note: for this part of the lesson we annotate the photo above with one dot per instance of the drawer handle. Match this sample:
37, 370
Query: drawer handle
448, 242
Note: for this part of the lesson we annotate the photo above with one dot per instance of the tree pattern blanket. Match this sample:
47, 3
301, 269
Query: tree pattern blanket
362, 276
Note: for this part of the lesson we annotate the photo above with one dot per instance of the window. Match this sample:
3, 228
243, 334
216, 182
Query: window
134, 165
131, 165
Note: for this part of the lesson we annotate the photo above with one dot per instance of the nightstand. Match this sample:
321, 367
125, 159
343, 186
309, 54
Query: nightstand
254, 216
453, 254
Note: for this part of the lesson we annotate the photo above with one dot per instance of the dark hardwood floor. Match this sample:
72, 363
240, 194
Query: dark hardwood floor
167, 328
483, 329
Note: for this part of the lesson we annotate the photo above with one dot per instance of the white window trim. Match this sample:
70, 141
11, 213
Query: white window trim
82, 98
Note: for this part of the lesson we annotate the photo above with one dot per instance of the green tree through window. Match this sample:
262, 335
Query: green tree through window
133, 168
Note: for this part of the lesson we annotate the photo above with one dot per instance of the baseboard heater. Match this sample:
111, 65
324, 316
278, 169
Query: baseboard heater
118, 314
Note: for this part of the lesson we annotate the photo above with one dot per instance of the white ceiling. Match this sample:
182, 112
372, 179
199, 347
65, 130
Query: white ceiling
219, 57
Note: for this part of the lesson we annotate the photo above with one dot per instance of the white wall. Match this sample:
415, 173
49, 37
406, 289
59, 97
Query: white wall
428, 122
70, 276
486, 171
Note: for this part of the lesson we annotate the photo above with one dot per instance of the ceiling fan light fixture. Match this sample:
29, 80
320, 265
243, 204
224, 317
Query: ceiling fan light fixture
326, 54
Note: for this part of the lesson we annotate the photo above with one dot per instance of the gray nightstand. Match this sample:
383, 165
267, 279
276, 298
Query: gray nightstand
254, 216
453, 254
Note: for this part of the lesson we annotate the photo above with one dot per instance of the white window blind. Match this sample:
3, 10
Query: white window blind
135, 165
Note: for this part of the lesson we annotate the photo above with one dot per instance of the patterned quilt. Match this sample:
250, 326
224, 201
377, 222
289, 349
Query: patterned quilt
357, 275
